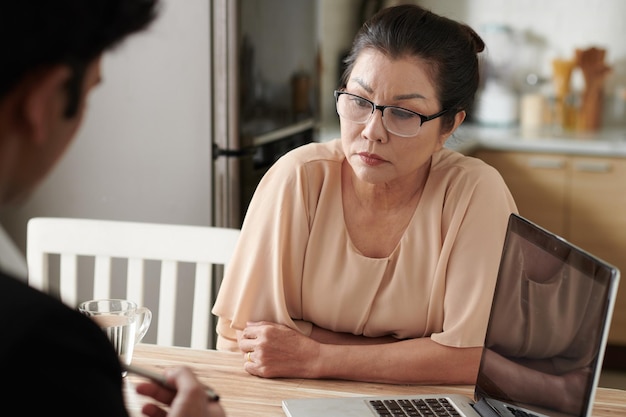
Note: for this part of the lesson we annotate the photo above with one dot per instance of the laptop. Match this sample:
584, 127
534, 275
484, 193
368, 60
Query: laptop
548, 327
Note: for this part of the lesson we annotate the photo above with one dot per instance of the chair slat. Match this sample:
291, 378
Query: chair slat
167, 303
102, 277
201, 314
135, 280
38, 272
68, 282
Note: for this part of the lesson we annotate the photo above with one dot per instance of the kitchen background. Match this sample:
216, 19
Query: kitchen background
145, 150
193, 111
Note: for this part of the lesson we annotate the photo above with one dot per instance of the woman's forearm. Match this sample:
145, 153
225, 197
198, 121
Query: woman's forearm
274, 350
414, 361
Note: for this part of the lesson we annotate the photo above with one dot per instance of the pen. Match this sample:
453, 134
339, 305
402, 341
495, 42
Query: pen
160, 379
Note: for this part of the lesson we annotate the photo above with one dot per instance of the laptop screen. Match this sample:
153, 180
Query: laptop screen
548, 324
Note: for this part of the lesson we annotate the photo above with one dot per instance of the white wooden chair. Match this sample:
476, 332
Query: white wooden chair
101, 242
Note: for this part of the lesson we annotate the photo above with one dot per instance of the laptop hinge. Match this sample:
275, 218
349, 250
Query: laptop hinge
485, 409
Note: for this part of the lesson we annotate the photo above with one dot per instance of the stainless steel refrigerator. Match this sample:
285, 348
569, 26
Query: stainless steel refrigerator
265, 78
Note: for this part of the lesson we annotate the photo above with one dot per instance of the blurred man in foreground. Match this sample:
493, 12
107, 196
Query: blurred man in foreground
54, 359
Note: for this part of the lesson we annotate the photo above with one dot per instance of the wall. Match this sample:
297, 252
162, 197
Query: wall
143, 152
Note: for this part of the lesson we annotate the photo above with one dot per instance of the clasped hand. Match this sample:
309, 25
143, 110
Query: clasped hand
274, 350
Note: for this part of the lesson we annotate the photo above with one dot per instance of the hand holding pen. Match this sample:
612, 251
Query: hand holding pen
180, 390
162, 380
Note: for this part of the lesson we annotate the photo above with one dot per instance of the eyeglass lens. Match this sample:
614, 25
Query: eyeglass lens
396, 120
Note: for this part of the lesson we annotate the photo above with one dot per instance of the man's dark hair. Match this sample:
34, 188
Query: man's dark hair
35, 34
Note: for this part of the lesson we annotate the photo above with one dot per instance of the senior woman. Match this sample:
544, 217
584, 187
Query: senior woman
374, 257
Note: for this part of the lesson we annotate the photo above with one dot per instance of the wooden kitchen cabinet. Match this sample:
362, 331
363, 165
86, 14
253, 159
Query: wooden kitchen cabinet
538, 183
598, 221
581, 198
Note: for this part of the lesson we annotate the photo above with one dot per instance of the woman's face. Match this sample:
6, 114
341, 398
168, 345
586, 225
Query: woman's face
375, 155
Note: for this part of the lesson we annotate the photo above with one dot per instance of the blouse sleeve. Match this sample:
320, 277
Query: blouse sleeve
259, 282
474, 221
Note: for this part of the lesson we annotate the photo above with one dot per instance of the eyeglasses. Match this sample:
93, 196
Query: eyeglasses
397, 120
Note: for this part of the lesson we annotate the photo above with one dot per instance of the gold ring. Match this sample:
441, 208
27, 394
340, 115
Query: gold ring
248, 357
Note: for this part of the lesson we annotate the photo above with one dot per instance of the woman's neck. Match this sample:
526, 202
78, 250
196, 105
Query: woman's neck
387, 196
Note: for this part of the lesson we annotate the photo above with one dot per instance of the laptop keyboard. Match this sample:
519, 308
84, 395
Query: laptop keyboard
429, 407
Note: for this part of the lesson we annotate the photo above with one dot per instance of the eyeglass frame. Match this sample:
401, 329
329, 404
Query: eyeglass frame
423, 119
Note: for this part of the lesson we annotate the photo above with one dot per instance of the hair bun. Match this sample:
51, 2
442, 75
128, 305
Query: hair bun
476, 41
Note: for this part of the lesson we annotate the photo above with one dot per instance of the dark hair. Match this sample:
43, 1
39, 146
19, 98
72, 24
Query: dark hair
35, 34
451, 49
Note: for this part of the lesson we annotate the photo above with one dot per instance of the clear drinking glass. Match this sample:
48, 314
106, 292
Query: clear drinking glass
124, 323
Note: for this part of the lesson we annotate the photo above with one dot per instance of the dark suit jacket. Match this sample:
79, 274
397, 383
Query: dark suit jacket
54, 360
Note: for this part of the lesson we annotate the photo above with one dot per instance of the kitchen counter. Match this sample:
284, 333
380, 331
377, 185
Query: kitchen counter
608, 142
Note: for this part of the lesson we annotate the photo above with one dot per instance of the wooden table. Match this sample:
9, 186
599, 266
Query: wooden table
245, 395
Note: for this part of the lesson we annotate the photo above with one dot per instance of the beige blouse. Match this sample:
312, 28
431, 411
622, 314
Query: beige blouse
295, 264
